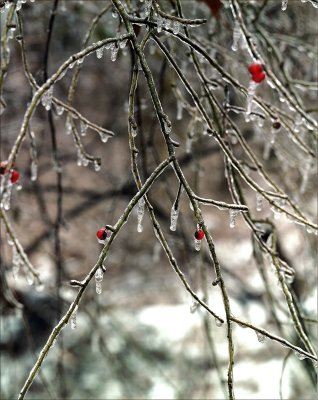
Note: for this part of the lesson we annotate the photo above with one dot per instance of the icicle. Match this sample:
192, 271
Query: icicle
156, 252
46, 98
167, 25
68, 125
218, 323
140, 214
176, 27
236, 36
53, 343
267, 150
148, 4
18, 5
298, 122
6, 189
159, 23
100, 52
73, 318
103, 136
284, 5
305, 175
97, 165
259, 202
193, 305
113, 52
83, 126
197, 244
189, 144
250, 95
98, 279
79, 157
174, 218
233, 214
114, 13
80, 61
260, 121
29, 277
260, 337
34, 170
59, 109
179, 109
16, 262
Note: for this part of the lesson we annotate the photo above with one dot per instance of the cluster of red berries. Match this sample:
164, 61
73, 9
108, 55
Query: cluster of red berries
14, 174
199, 234
102, 234
257, 72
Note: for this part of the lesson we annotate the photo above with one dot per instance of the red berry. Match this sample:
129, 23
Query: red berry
255, 68
101, 234
15, 175
199, 234
258, 78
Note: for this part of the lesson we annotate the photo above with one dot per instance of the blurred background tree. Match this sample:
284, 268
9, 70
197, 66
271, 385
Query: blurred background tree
203, 199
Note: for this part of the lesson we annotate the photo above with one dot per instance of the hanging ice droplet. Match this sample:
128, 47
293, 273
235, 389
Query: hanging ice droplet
103, 136
148, 4
46, 98
16, 262
193, 305
267, 150
250, 95
114, 13
260, 337
236, 36
100, 52
59, 109
34, 170
113, 52
79, 157
99, 275
68, 125
218, 323
179, 110
176, 27
197, 244
233, 214
159, 23
29, 277
174, 218
300, 356
122, 43
5, 191
167, 25
140, 214
53, 343
73, 318
306, 167
259, 202
284, 5
83, 127
97, 165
